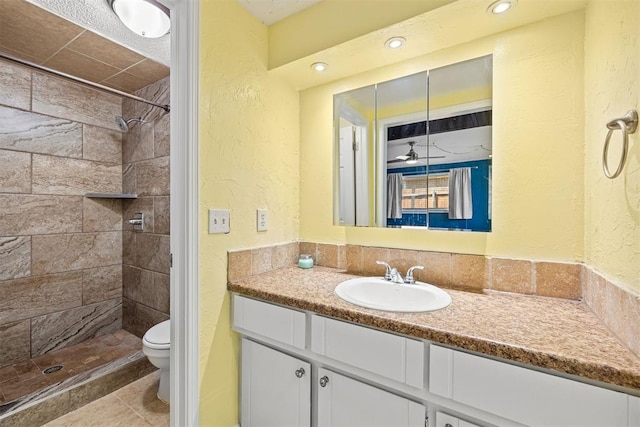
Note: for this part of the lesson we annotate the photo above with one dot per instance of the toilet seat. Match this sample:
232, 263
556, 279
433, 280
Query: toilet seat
159, 336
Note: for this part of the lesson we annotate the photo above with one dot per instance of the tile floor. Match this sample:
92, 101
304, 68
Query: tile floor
134, 405
20, 379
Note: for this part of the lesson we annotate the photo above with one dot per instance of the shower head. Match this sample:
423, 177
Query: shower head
123, 124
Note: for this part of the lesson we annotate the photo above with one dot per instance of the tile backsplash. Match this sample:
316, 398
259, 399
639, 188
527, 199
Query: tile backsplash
618, 308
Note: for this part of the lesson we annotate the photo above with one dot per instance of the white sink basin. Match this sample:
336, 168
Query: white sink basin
380, 294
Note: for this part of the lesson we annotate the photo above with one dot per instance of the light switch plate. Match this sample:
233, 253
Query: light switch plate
262, 220
219, 221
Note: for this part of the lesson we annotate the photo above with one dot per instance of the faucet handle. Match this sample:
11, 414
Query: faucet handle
387, 273
409, 277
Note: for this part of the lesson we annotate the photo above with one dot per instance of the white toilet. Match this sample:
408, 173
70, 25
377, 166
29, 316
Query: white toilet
155, 345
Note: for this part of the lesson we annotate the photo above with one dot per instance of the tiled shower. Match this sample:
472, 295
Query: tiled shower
71, 267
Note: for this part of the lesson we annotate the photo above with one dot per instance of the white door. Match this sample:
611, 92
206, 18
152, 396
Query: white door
343, 402
275, 388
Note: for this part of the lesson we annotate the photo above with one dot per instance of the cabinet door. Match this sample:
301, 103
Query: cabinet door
275, 388
344, 402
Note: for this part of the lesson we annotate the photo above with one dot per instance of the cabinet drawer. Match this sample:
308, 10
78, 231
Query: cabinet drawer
270, 321
391, 356
523, 395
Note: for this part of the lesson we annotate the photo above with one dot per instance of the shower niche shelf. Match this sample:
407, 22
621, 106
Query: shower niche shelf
111, 195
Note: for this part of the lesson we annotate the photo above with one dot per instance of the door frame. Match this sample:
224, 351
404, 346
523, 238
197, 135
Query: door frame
184, 353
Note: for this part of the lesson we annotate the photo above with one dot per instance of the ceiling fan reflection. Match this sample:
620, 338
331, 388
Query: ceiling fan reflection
412, 157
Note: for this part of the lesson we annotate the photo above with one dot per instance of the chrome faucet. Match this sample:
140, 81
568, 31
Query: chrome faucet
409, 280
387, 273
393, 275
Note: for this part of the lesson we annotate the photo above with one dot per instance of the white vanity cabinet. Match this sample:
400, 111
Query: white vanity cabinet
275, 388
524, 395
345, 402
303, 369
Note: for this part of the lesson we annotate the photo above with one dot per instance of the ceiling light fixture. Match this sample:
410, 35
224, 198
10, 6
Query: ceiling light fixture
319, 67
147, 18
501, 6
395, 42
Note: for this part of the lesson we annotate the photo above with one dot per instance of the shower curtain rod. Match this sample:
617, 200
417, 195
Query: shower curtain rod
165, 107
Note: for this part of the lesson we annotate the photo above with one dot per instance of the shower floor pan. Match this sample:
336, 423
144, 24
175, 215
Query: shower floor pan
38, 390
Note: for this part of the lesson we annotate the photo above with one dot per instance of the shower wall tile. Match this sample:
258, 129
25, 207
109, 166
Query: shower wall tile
146, 287
15, 85
129, 178
151, 252
24, 214
35, 133
60, 98
161, 215
15, 342
58, 175
102, 145
15, 172
162, 136
15, 257
142, 205
134, 281
101, 215
137, 144
152, 177
34, 296
69, 327
138, 318
67, 252
102, 283
158, 92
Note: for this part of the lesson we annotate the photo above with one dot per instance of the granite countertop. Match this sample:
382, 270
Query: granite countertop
556, 334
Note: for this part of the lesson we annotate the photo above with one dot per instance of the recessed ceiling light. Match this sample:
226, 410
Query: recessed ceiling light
319, 67
395, 42
501, 6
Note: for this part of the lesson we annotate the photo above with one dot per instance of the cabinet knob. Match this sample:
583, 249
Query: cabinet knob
448, 425
300, 372
324, 381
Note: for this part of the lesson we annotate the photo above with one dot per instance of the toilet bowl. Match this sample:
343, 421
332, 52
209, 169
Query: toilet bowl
155, 345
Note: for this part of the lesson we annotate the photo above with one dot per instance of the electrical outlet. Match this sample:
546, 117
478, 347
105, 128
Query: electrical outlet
262, 220
219, 221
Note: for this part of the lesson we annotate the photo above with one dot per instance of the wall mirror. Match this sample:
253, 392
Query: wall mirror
416, 151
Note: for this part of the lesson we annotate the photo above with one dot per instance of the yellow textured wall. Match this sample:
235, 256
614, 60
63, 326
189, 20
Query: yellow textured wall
612, 86
538, 103
249, 159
